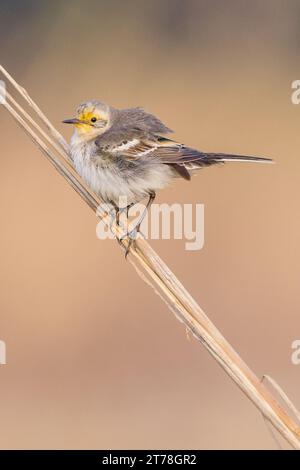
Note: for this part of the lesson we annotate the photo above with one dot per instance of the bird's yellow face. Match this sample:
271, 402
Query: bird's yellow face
90, 120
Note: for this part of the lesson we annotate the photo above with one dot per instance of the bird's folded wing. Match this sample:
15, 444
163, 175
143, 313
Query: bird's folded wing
159, 148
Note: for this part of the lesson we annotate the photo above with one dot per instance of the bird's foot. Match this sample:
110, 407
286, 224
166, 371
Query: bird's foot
131, 237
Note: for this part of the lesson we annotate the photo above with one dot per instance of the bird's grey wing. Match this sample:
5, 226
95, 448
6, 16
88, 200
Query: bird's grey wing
133, 146
174, 153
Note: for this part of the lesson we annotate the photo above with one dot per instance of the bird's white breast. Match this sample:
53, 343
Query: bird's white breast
108, 181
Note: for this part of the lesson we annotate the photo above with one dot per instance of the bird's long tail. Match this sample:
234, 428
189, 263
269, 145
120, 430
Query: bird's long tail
192, 160
223, 157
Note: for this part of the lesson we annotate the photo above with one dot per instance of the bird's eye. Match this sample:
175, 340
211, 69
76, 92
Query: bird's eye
93, 119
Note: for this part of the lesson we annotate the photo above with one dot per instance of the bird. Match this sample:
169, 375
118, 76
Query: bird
127, 153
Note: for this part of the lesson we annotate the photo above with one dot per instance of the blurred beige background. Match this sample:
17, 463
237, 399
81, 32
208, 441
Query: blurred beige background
94, 358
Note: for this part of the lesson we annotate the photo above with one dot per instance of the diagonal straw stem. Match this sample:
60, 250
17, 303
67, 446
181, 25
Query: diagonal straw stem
150, 266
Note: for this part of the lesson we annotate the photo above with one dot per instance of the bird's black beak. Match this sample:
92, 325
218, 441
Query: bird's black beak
71, 121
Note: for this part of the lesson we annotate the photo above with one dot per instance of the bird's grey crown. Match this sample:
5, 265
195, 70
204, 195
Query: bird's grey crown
93, 104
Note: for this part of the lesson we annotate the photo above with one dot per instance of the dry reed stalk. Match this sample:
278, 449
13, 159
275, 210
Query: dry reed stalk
155, 272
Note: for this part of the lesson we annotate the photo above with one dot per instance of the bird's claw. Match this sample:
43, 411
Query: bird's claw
130, 237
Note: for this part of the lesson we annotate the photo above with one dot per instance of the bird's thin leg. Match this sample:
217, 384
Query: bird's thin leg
114, 209
125, 210
128, 209
152, 196
121, 211
118, 211
137, 227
